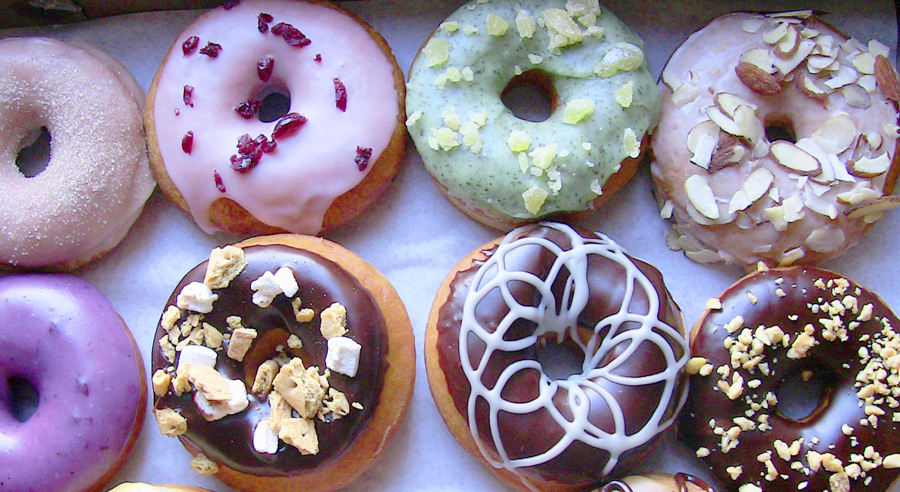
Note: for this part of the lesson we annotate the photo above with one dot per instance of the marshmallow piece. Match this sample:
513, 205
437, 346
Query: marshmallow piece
284, 277
265, 289
343, 356
265, 439
197, 355
196, 297
217, 410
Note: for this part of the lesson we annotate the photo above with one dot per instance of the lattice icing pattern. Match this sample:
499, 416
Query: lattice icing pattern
559, 317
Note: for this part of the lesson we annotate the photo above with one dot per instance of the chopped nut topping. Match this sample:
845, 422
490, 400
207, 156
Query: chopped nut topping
203, 465
240, 342
265, 374
171, 423
304, 389
333, 321
300, 433
161, 380
224, 265
208, 382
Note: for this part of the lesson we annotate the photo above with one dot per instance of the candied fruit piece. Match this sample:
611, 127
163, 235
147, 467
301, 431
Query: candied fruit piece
577, 110
363, 154
291, 35
622, 57
211, 49
519, 141
262, 22
220, 185
437, 52
190, 45
562, 29
188, 96
264, 68
534, 199
496, 25
287, 125
340, 95
187, 142
249, 108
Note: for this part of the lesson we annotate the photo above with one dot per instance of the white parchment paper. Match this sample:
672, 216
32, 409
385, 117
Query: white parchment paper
414, 236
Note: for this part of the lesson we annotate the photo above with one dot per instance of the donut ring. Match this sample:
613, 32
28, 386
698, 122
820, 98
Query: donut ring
142, 487
377, 394
555, 433
505, 171
790, 163
97, 180
90, 409
782, 323
317, 175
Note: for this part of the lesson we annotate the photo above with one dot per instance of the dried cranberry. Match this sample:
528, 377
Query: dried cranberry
188, 96
287, 125
187, 142
230, 4
340, 95
262, 22
249, 108
218, 179
264, 68
190, 45
243, 163
246, 145
177, 112
265, 144
292, 36
318, 58
362, 157
211, 49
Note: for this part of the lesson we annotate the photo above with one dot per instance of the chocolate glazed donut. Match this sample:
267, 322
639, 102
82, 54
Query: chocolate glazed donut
784, 325
550, 284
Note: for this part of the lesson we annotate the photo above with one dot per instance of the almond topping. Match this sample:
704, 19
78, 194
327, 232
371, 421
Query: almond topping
873, 206
870, 167
757, 79
701, 196
794, 158
886, 79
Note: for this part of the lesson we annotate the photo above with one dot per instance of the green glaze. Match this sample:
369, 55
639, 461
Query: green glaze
492, 180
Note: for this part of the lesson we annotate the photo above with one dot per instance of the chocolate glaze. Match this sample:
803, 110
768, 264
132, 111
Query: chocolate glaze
840, 405
322, 282
683, 479
534, 433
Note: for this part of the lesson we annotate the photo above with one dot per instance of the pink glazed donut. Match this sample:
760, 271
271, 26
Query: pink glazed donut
97, 179
318, 161
63, 342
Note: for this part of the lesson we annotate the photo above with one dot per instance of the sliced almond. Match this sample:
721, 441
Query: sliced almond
886, 79
754, 188
856, 96
836, 134
845, 75
864, 63
794, 158
866, 167
684, 94
879, 204
826, 240
791, 16
787, 65
812, 148
701, 196
749, 124
729, 103
702, 141
760, 58
729, 152
809, 88
758, 80
753, 25
858, 195
788, 45
777, 34
724, 122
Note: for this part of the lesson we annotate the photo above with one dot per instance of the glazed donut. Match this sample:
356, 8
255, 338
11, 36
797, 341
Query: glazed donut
658, 482
314, 383
76, 420
504, 171
97, 179
777, 140
315, 166
782, 327
541, 423
142, 487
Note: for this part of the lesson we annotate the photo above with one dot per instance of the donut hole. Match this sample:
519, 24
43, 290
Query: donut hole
531, 96
23, 398
559, 360
802, 394
35, 154
780, 127
276, 102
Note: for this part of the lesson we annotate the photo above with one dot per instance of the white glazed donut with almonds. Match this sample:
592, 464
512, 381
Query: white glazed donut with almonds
778, 144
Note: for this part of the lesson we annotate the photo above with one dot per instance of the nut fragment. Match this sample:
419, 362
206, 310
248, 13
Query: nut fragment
868, 167
836, 134
886, 79
794, 158
879, 204
757, 79
701, 196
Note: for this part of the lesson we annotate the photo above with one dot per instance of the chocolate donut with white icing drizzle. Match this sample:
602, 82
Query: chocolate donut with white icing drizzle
488, 366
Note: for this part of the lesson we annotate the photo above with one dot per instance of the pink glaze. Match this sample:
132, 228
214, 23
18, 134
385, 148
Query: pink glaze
292, 187
64, 337
97, 180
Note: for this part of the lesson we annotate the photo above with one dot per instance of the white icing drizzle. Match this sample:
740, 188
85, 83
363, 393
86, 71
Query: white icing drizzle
494, 275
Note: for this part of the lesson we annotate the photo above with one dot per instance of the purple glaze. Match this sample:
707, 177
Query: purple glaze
63, 336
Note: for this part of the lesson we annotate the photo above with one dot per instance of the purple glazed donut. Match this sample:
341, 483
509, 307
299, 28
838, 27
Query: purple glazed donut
62, 340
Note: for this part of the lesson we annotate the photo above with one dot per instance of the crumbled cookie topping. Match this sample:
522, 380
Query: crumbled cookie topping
224, 265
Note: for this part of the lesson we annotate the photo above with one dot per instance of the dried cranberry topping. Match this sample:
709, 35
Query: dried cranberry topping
246, 145
249, 108
211, 49
177, 112
340, 95
265, 144
264, 68
287, 125
362, 157
218, 179
188, 96
230, 4
262, 22
190, 45
243, 163
187, 142
292, 36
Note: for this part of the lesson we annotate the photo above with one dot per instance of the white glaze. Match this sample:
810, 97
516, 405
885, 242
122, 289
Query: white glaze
494, 275
292, 187
98, 178
707, 61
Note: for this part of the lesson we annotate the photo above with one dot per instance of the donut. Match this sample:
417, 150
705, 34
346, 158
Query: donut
143, 487
77, 419
505, 171
96, 181
555, 358
777, 140
283, 363
658, 482
772, 336
310, 165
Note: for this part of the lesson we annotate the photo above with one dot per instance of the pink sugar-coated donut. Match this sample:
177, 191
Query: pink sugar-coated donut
342, 80
98, 178
63, 337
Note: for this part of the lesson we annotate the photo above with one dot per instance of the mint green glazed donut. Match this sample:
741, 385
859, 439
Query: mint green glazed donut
503, 170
